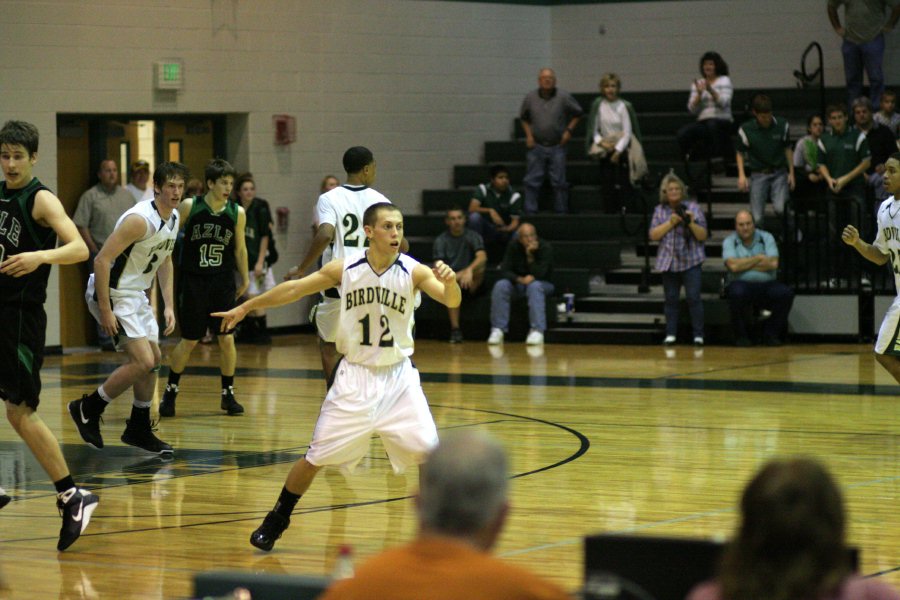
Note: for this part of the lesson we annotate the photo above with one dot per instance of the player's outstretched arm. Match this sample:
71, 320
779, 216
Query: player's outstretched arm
850, 236
286, 292
438, 282
49, 212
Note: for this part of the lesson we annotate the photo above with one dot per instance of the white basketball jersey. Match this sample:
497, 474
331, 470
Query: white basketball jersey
888, 238
136, 267
376, 311
343, 208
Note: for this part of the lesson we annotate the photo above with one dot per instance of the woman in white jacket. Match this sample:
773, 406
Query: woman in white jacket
710, 100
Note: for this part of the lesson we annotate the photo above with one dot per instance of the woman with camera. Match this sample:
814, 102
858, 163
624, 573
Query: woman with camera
679, 226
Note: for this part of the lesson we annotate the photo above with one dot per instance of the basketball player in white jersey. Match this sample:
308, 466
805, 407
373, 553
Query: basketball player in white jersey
885, 248
376, 388
339, 213
138, 250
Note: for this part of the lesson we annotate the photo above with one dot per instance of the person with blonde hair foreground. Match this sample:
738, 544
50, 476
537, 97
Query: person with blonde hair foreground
790, 542
462, 506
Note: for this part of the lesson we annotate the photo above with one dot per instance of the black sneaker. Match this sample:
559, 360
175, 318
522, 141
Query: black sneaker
229, 403
271, 529
4, 499
76, 514
88, 425
167, 404
456, 336
145, 440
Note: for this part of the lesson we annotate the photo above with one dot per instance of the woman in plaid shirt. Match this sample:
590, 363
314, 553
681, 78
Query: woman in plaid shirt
680, 228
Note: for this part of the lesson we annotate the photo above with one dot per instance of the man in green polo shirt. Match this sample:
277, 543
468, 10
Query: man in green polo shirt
767, 145
843, 156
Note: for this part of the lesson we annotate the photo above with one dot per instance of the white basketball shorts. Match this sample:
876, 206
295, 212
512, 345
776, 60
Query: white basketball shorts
258, 285
132, 311
327, 314
364, 400
888, 341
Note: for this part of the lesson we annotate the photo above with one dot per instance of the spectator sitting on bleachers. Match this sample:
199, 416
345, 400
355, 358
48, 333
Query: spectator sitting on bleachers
495, 208
710, 100
463, 250
765, 139
461, 508
613, 140
887, 115
751, 257
790, 543
525, 271
806, 159
679, 226
882, 144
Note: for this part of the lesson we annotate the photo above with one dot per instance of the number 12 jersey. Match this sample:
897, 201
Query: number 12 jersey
376, 320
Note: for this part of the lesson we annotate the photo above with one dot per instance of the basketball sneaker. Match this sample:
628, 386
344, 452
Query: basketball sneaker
271, 529
4, 498
143, 438
229, 403
167, 404
76, 514
88, 424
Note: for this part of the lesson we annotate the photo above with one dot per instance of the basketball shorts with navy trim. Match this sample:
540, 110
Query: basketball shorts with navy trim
365, 400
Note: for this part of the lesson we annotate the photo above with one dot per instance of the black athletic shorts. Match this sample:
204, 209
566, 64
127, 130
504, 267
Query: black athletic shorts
22, 353
199, 295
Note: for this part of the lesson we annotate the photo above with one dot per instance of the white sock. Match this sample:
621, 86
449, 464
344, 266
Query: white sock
103, 395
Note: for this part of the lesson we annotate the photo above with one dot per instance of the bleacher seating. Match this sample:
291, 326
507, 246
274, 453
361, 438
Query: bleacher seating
600, 254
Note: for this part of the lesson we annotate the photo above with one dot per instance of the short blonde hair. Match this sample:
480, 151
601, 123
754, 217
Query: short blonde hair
610, 78
670, 178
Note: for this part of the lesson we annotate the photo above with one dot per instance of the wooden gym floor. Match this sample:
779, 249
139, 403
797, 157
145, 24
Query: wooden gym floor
602, 439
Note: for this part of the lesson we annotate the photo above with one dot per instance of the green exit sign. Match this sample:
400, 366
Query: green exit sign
171, 72
168, 74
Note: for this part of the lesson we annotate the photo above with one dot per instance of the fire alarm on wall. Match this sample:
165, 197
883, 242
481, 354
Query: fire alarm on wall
285, 129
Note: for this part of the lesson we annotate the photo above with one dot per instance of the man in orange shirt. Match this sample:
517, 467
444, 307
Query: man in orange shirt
462, 506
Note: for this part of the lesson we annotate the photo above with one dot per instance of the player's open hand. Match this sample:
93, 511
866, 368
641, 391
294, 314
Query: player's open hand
443, 272
850, 235
108, 323
18, 265
169, 315
231, 318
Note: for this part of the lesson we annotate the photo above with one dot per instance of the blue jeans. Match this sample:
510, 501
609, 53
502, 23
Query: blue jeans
709, 138
505, 291
672, 283
866, 56
765, 185
771, 295
543, 160
481, 224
